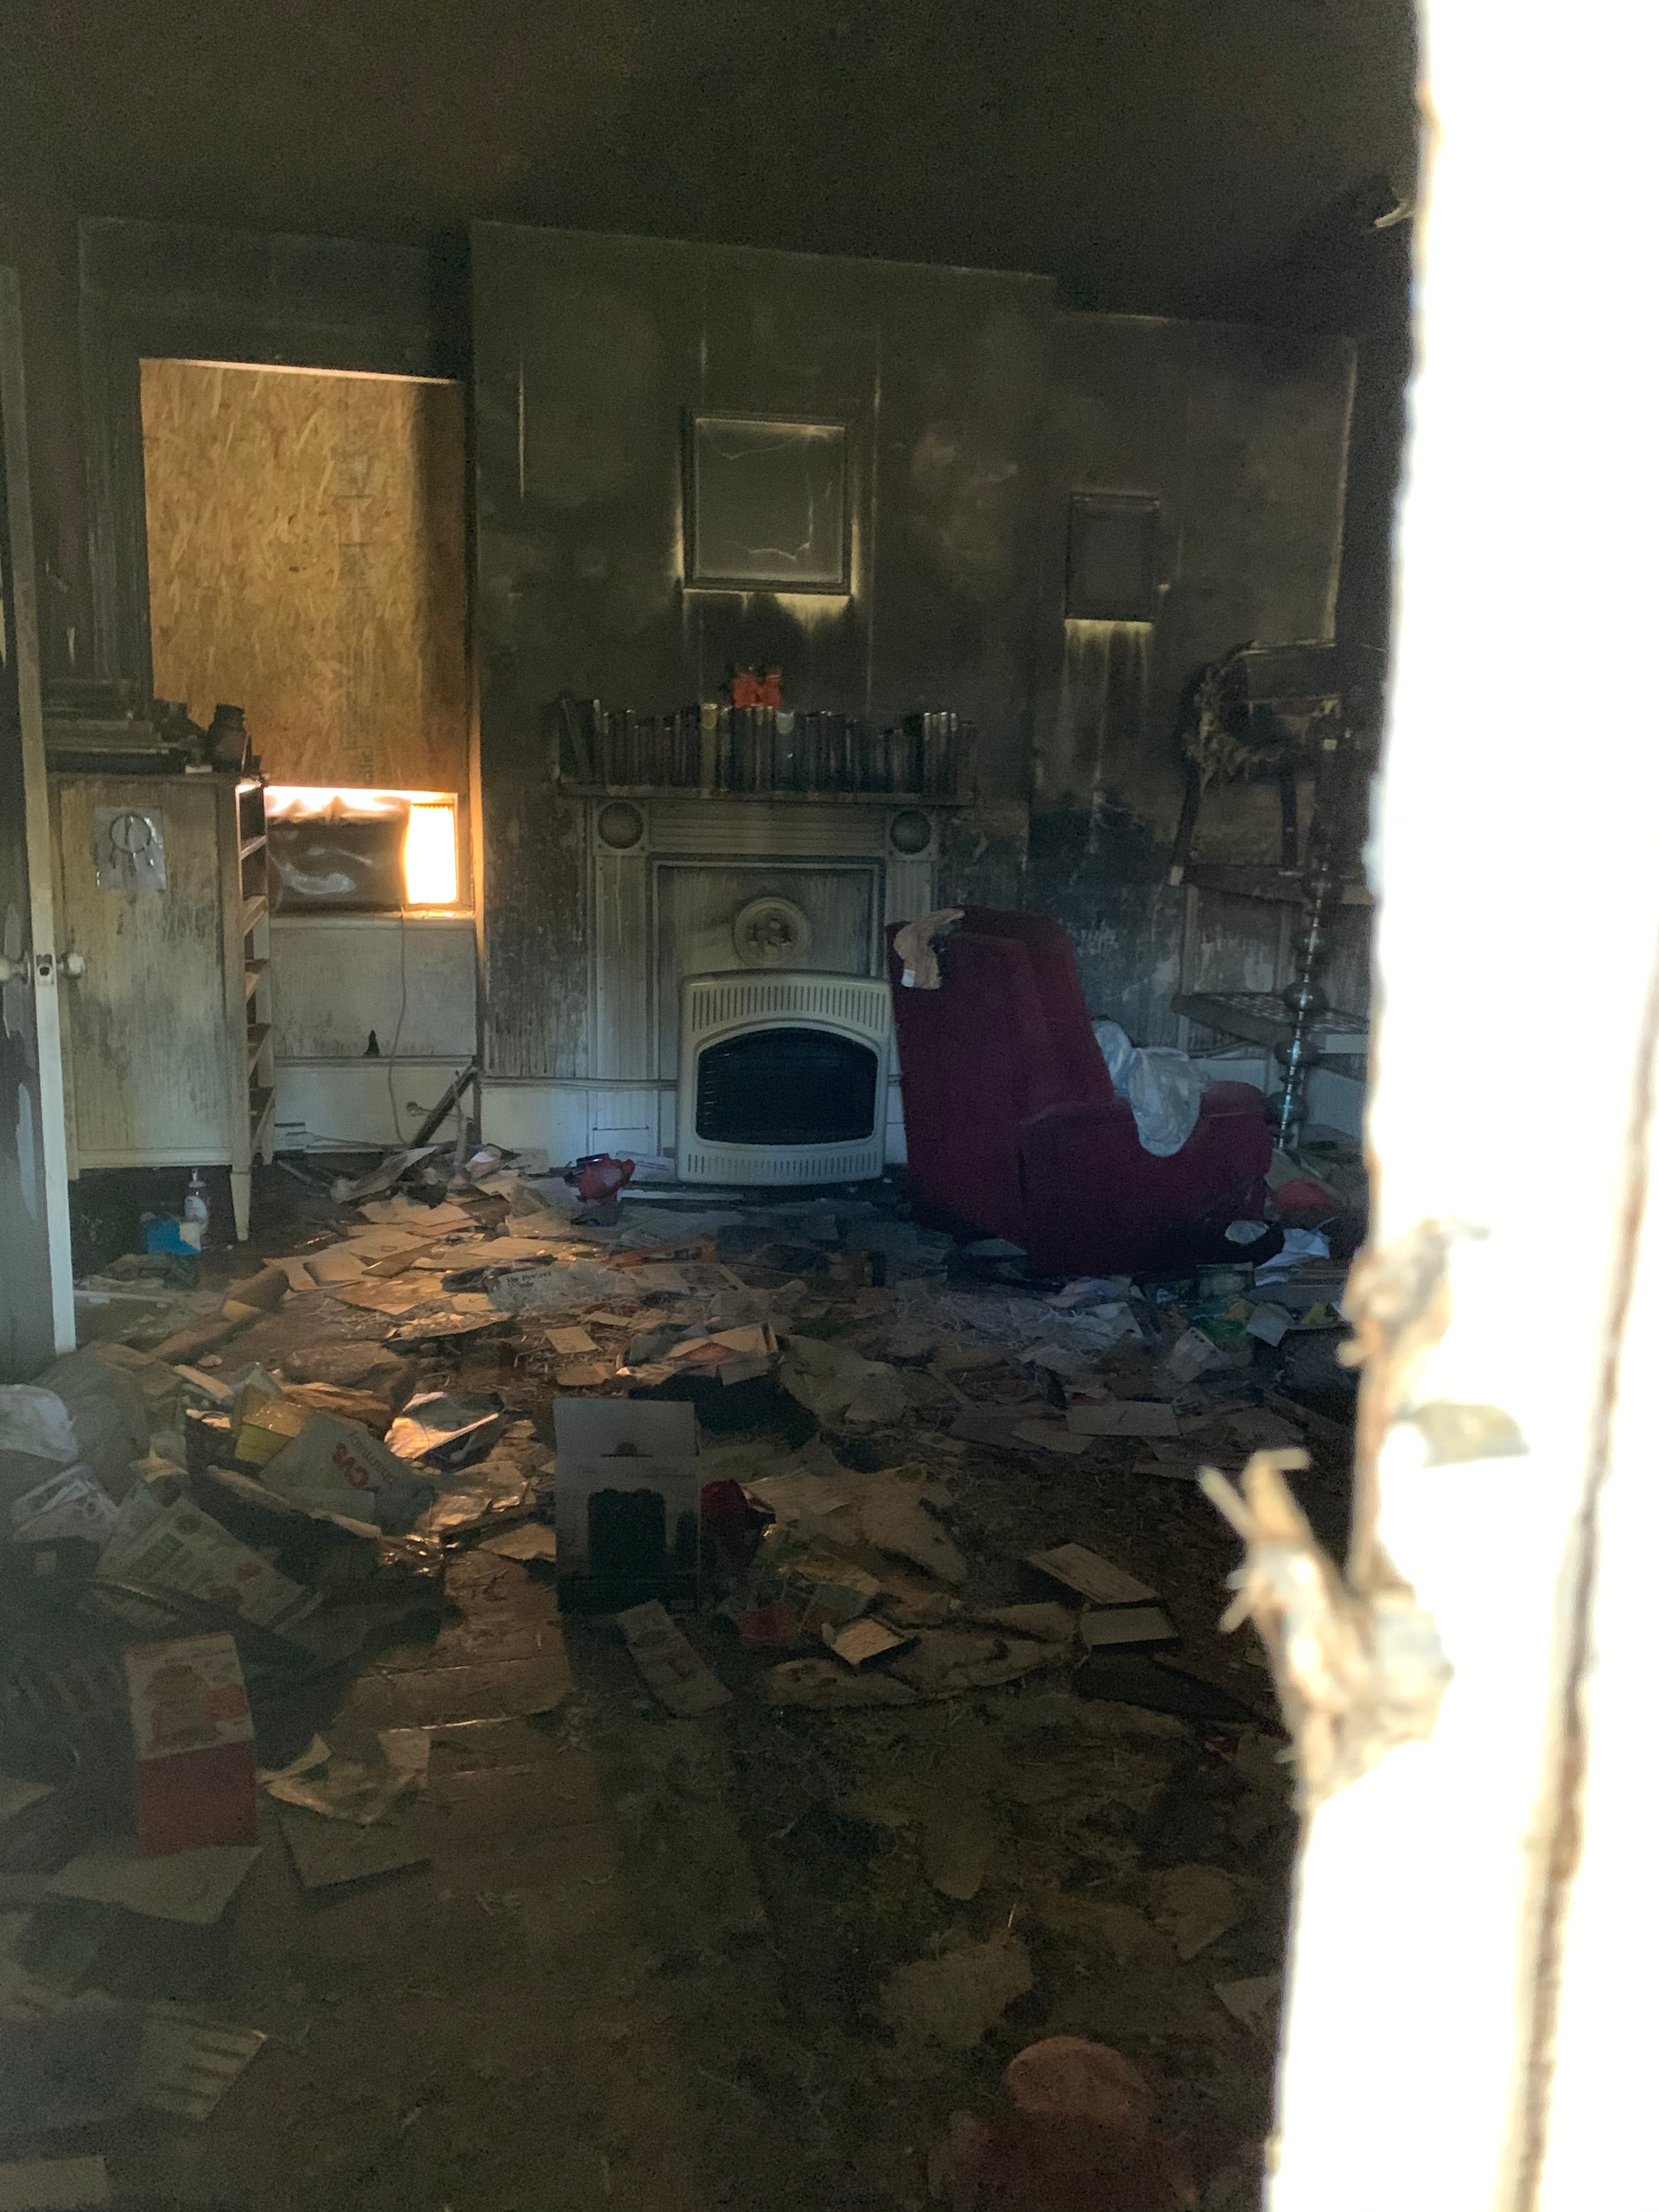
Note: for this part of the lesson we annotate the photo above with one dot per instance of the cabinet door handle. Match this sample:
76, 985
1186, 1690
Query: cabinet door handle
14, 971
72, 963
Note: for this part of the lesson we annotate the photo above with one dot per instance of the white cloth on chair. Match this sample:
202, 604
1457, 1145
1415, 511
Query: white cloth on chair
1159, 1085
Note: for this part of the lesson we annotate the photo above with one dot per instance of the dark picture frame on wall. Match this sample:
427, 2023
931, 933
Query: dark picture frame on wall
768, 503
1112, 557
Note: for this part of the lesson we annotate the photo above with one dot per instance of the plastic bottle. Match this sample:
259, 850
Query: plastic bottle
195, 1209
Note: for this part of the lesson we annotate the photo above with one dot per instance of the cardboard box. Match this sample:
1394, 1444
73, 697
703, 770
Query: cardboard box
336, 1466
263, 1426
193, 1736
176, 1546
626, 1503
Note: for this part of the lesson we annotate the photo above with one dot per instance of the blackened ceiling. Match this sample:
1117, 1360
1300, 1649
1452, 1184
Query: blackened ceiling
1155, 155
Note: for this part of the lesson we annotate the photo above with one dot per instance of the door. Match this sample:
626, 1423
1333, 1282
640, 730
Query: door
145, 1021
37, 1300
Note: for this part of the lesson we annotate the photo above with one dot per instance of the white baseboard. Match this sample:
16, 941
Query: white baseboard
334, 1105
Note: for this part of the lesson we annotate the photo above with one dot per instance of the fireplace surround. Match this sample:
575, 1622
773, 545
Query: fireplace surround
734, 893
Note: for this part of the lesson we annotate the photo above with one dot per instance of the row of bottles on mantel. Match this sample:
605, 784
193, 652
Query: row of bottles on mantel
717, 747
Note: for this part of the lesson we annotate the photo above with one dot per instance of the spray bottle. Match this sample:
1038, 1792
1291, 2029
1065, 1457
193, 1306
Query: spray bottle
194, 1228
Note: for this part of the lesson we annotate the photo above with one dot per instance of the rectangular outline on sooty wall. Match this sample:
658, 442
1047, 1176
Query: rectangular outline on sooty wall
837, 586
1139, 605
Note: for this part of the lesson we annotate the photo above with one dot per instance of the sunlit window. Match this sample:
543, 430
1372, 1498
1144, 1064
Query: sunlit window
342, 851
429, 854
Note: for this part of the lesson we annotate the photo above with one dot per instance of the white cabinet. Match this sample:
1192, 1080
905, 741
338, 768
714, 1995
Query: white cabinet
164, 923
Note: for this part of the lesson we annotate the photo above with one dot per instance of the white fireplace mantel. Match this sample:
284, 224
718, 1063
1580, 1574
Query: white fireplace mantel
669, 876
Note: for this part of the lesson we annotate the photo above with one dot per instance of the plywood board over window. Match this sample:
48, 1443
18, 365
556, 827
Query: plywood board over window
307, 563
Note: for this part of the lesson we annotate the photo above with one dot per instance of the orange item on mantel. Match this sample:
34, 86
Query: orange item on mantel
750, 688
194, 1735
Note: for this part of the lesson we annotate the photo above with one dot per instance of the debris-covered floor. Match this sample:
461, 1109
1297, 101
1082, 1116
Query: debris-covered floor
521, 1935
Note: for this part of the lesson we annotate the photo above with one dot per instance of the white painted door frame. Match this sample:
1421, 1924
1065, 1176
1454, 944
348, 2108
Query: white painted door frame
40, 1285
1475, 1953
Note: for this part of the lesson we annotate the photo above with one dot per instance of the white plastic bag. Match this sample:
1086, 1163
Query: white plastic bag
1161, 1087
36, 1422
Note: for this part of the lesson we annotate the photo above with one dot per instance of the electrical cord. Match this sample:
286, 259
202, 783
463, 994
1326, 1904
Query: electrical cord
403, 1008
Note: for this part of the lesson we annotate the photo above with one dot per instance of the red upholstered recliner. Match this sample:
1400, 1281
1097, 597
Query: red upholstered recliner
1014, 1129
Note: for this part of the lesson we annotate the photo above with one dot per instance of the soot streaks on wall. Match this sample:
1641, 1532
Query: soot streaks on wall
1240, 435
590, 353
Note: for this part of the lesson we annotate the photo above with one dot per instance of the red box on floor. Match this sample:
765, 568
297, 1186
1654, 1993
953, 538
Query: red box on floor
193, 1734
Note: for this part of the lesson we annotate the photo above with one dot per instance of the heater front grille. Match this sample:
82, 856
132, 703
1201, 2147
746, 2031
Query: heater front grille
782, 1078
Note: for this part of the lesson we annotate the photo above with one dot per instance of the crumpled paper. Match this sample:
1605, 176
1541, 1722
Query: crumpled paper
340, 1789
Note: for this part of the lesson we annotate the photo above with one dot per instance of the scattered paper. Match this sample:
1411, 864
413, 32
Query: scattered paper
400, 1294
17, 1797
218, 1393
335, 1264
1269, 1323
944, 1661
451, 1432
534, 1541
696, 1351
822, 1685
1254, 2001
72, 1504
1190, 1355
447, 1324
842, 1389
957, 1996
1052, 1436
863, 1641
1193, 1905
812, 1503
354, 1789
1089, 1576
405, 1210
187, 2062
191, 1886
743, 1367
326, 1853
755, 1339
573, 1341
894, 1516
983, 1425
1125, 1625
53, 2185
669, 1667
1123, 1417
1058, 1359
1090, 1290
372, 1243
1259, 1430
1300, 1244
1048, 1622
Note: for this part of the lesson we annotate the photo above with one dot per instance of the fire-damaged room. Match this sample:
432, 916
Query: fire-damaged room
694, 705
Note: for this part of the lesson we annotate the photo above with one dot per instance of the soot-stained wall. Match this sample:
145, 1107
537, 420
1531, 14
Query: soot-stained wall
1240, 437
590, 352
975, 412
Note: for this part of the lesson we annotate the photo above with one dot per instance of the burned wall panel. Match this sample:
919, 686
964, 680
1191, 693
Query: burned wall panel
591, 355
307, 555
184, 291
1237, 437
